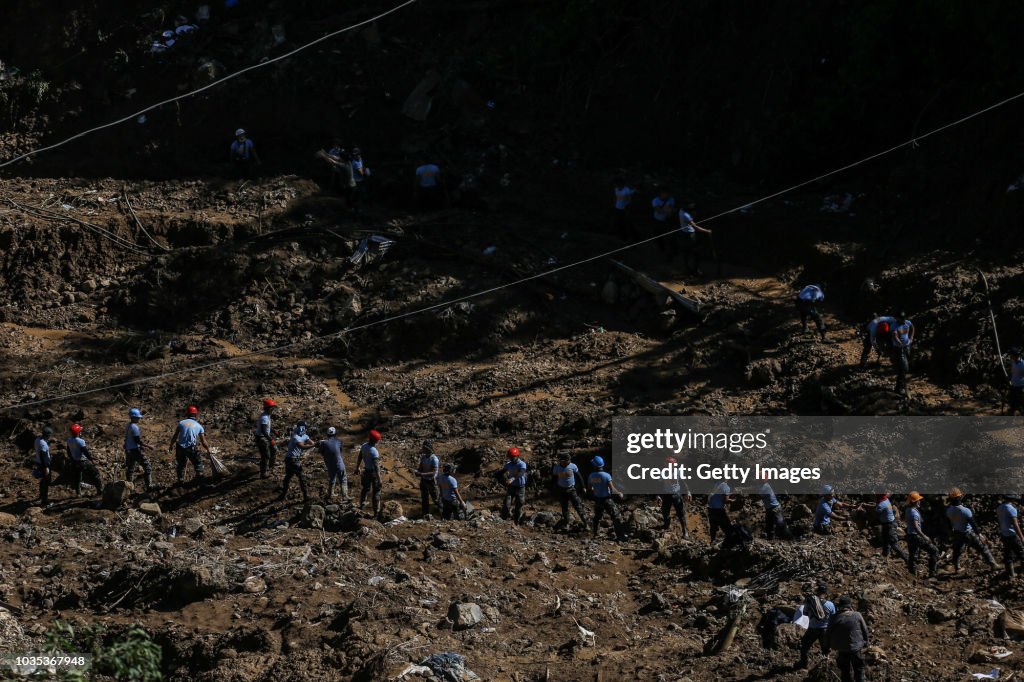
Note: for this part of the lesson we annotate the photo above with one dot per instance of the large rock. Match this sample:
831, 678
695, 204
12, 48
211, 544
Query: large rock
7, 520
390, 511
445, 541
254, 585
314, 516
465, 616
115, 494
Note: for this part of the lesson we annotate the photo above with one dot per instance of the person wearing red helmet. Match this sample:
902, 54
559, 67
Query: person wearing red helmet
265, 439
514, 475
80, 461
673, 498
188, 437
369, 461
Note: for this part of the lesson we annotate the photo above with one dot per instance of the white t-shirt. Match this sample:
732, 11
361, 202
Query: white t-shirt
428, 175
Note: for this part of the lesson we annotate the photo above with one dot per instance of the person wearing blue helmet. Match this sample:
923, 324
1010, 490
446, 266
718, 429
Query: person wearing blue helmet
135, 450
602, 489
825, 511
297, 445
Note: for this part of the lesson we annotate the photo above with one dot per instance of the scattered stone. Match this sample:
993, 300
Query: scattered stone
445, 541
314, 516
7, 520
938, 615
544, 518
192, 526
254, 585
465, 616
150, 508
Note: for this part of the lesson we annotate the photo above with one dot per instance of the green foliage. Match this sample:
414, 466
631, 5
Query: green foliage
129, 655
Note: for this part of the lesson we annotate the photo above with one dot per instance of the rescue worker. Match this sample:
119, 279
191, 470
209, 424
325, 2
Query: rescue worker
80, 461
848, 637
774, 518
1015, 398
369, 462
690, 245
622, 221
243, 154
567, 475
718, 517
965, 532
1010, 533
428, 470
452, 504
916, 539
514, 475
43, 462
603, 489
335, 463
266, 441
188, 437
135, 450
887, 520
902, 340
825, 511
297, 445
875, 334
672, 498
807, 302
819, 611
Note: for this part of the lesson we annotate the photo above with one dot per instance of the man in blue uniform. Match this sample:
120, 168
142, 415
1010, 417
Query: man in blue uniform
42, 469
369, 462
566, 476
514, 476
807, 302
965, 532
135, 450
335, 463
602, 489
428, 469
297, 446
188, 437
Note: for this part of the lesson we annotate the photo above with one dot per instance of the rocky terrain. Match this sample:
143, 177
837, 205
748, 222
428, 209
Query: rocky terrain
138, 272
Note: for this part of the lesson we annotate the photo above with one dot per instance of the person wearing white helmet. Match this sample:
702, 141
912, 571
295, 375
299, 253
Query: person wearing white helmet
42, 462
243, 153
825, 511
331, 451
135, 450
299, 443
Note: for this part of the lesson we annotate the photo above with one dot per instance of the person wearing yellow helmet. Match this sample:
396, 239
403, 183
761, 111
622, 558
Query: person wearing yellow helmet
916, 539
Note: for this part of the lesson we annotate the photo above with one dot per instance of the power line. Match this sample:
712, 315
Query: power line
523, 280
207, 86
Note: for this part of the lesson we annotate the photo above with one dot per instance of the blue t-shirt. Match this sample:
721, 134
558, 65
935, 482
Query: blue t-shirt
823, 515
672, 487
357, 170
428, 175
331, 450
913, 519
566, 475
448, 484
370, 457
662, 208
1017, 373
188, 435
819, 624
42, 453
1006, 513
873, 324
516, 470
600, 483
960, 517
263, 426
686, 222
241, 150
429, 464
76, 449
717, 500
133, 437
885, 512
768, 498
811, 293
903, 334
295, 445
623, 197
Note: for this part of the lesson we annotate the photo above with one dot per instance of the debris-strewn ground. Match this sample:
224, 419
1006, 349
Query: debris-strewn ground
236, 586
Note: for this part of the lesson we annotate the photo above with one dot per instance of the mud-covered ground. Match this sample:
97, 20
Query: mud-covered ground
235, 291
